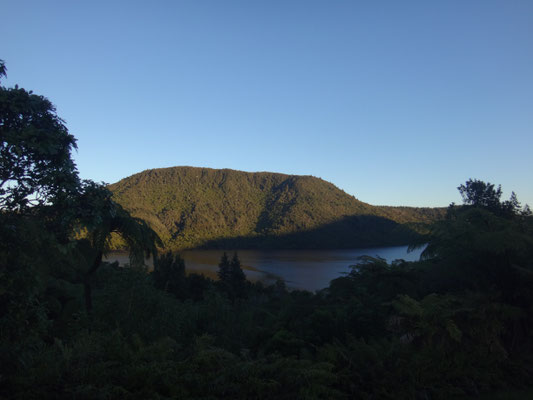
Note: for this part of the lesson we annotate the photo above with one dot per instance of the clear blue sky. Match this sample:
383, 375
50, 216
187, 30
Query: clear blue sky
396, 102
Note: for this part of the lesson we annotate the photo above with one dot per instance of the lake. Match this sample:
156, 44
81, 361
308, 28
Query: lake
300, 269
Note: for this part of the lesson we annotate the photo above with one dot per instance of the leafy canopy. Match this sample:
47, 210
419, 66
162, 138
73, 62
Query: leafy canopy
483, 194
35, 150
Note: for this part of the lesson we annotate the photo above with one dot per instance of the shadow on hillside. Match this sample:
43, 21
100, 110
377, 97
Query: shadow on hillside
349, 232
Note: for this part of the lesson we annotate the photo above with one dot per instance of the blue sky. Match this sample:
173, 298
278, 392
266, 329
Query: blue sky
395, 102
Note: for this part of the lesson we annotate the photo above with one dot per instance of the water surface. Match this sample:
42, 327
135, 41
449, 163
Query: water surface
300, 269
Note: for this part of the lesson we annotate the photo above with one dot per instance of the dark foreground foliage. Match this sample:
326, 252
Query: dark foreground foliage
459, 323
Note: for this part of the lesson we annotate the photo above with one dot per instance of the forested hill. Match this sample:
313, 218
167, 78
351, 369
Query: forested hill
202, 207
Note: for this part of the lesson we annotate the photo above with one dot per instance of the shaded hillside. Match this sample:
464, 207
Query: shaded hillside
193, 207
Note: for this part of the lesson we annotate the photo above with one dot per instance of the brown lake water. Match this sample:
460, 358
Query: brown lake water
300, 269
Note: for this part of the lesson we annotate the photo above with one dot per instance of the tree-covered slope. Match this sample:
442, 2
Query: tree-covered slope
193, 207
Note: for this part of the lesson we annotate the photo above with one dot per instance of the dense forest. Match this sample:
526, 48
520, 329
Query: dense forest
202, 207
456, 324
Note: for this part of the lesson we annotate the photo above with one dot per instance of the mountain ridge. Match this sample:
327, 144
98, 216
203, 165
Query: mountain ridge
192, 207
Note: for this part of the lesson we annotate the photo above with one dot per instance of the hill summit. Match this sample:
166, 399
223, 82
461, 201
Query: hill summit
193, 207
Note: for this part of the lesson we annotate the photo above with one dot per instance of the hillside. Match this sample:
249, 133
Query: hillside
201, 207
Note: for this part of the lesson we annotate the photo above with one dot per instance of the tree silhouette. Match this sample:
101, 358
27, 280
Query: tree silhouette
478, 193
3, 69
36, 167
169, 274
483, 194
487, 243
96, 211
237, 277
231, 275
224, 268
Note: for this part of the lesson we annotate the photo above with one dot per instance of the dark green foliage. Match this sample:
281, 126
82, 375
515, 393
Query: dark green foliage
387, 331
93, 210
487, 251
35, 151
23, 276
3, 69
231, 276
224, 274
237, 277
44, 266
193, 207
477, 193
169, 274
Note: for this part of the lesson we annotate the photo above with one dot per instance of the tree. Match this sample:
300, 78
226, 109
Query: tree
483, 194
95, 211
36, 167
487, 244
237, 277
169, 274
224, 268
511, 206
478, 193
3, 69
231, 275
